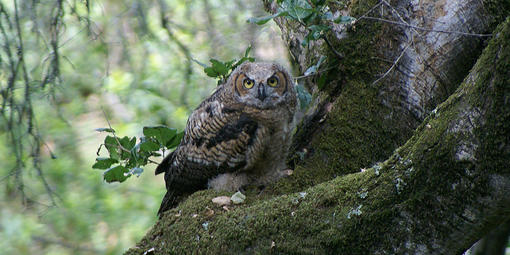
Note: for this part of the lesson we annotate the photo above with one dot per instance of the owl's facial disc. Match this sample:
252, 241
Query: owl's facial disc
260, 86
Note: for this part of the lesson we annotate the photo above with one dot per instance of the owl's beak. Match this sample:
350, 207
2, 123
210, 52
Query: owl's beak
261, 94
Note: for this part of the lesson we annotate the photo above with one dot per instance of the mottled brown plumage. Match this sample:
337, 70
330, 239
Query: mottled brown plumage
239, 135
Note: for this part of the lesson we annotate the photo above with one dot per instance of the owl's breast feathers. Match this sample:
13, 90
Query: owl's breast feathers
217, 139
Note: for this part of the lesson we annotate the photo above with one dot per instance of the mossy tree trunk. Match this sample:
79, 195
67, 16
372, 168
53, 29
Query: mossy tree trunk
494, 243
440, 175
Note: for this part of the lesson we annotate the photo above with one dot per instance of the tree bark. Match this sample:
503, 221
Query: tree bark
494, 243
438, 193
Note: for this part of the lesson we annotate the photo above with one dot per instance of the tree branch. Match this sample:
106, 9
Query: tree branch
437, 194
165, 23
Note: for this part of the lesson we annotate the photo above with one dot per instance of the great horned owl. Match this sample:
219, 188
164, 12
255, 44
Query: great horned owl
239, 135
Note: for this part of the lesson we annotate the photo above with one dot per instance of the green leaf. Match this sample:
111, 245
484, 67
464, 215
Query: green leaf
247, 51
211, 72
167, 134
175, 140
104, 163
200, 63
219, 67
161, 134
314, 33
110, 141
242, 60
327, 15
230, 64
112, 146
128, 143
109, 130
116, 174
265, 19
313, 69
297, 9
149, 146
152, 132
344, 20
304, 97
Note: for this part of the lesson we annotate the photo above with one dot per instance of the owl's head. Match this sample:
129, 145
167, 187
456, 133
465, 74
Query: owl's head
261, 85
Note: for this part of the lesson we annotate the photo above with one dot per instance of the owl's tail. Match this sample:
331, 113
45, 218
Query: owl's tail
170, 200
165, 164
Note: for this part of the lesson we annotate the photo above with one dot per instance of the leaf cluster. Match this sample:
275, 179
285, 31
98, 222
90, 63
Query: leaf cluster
127, 157
314, 15
317, 18
221, 70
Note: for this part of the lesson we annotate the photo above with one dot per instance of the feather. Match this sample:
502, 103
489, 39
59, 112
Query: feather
235, 136
211, 145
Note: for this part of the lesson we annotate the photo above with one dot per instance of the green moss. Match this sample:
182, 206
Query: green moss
310, 219
316, 222
357, 123
498, 9
495, 140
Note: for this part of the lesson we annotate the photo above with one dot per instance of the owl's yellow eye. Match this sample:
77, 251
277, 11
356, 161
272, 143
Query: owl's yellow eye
248, 83
273, 82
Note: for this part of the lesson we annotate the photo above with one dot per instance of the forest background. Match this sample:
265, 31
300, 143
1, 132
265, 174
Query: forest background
94, 64
72, 71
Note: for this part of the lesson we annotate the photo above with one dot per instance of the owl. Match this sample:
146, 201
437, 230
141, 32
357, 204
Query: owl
239, 135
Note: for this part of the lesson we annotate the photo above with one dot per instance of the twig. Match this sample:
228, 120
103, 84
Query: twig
11, 173
114, 135
36, 153
394, 64
165, 23
338, 54
426, 29
153, 162
27, 105
404, 23
87, 5
313, 74
369, 11
395, 12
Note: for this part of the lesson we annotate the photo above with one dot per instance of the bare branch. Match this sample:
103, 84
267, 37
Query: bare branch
393, 65
165, 23
426, 29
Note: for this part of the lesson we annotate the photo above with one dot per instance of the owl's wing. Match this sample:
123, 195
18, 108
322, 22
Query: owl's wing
217, 139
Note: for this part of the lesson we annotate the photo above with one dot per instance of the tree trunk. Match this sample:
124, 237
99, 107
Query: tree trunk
438, 193
494, 243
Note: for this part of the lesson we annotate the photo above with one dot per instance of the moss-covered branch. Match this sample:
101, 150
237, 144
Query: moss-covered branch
438, 193
354, 123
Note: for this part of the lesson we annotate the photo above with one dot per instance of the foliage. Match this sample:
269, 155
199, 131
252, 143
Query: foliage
318, 19
313, 15
127, 157
222, 70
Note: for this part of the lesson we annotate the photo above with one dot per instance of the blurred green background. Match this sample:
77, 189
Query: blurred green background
86, 62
